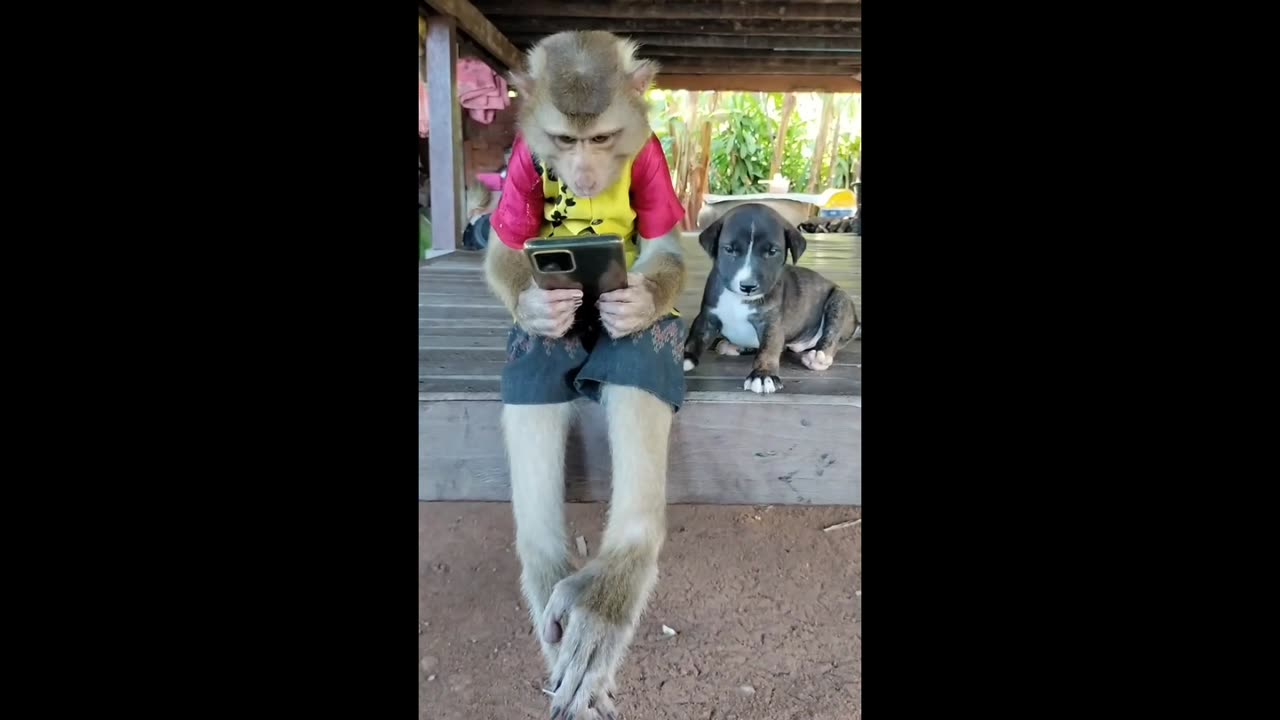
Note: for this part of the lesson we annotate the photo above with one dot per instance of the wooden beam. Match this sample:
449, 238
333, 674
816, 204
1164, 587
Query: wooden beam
663, 53
746, 42
761, 83
674, 9
759, 66
774, 28
478, 27
447, 192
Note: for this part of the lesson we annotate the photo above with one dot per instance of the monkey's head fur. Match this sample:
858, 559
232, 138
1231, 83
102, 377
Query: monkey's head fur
582, 106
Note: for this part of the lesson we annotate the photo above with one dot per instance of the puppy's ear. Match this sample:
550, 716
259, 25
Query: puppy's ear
709, 239
795, 244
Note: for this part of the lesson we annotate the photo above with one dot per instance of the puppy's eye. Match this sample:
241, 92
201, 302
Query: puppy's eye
601, 139
771, 251
730, 250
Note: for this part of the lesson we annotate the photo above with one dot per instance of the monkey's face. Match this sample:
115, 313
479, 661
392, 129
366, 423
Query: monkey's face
590, 159
582, 107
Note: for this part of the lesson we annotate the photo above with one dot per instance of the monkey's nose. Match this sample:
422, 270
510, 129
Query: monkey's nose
748, 288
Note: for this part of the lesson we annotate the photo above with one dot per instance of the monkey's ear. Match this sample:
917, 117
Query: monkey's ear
642, 75
522, 82
795, 244
709, 239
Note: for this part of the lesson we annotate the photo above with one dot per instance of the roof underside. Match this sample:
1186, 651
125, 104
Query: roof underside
769, 45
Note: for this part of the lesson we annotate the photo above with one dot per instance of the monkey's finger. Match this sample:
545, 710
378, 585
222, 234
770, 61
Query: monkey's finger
625, 295
558, 295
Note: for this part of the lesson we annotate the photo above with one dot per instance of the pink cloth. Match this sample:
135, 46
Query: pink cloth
480, 90
424, 120
519, 213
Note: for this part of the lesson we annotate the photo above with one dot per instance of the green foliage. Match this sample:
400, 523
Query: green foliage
846, 170
796, 151
742, 146
744, 128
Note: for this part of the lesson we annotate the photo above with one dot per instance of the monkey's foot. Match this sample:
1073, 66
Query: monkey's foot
817, 360
591, 648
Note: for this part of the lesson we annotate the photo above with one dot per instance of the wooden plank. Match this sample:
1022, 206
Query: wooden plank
841, 10
518, 25
773, 65
690, 397
447, 211
811, 385
478, 27
438, 365
764, 453
851, 42
664, 53
494, 350
760, 83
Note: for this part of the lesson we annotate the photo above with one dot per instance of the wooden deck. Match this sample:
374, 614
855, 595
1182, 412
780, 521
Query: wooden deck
800, 446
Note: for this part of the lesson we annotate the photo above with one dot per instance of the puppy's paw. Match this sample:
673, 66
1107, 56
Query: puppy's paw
857, 334
761, 382
727, 348
817, 360
689, 363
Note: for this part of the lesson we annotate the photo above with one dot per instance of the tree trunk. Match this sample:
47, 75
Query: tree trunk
703, 177
779, 143
815, 167
835, 149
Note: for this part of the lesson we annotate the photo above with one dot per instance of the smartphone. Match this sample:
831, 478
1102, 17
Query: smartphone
594, 264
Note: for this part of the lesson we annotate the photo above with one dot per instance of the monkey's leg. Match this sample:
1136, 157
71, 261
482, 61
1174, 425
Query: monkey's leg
599, 607
535, 438
839, 321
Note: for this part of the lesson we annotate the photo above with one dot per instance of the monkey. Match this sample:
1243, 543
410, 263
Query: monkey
585, 161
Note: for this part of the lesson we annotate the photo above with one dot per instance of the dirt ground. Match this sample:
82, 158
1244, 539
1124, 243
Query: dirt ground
766, 605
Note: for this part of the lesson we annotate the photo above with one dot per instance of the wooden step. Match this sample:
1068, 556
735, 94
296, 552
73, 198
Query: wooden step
799, 446
726, 448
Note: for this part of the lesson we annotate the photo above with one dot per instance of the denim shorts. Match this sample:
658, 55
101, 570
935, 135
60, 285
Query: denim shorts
542, 370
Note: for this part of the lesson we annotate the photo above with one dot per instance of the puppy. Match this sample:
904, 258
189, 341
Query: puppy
753, 299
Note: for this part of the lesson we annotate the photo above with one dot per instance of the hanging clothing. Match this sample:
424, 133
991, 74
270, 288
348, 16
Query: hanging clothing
480, 90
424, 120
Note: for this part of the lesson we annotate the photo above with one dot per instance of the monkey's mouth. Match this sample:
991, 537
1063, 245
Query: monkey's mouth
579, 193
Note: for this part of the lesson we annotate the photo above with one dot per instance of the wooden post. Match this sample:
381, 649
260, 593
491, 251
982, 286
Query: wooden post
447, 191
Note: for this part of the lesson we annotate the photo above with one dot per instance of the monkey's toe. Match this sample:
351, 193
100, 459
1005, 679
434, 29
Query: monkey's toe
581, 681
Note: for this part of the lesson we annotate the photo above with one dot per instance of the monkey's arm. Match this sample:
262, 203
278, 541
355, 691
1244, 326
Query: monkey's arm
661, 262
506, 271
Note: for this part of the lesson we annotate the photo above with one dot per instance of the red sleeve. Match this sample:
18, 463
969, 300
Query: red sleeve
652, 196
518, 216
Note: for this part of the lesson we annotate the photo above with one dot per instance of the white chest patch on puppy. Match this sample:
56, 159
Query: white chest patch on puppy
734, 313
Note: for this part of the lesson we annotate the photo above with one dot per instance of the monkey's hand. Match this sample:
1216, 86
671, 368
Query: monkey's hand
629, 310
592, 615
547, 312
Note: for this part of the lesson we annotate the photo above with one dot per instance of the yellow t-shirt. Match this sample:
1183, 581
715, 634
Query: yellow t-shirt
609, 213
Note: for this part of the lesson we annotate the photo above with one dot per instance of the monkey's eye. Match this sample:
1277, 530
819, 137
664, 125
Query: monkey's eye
600, 139
565, 140
772, 251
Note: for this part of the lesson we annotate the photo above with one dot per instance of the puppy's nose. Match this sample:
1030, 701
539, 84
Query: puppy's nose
748, 288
